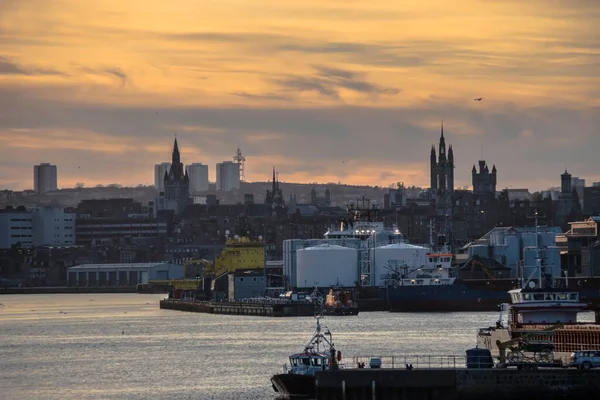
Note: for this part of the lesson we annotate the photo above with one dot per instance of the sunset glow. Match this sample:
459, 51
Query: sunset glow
324, 90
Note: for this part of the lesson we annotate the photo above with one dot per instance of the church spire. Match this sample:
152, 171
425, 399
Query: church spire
175, 158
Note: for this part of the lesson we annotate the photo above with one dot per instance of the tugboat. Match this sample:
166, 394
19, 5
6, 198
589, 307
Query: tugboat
298, 377
339, 302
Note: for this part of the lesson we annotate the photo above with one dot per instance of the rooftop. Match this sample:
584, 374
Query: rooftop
125, 266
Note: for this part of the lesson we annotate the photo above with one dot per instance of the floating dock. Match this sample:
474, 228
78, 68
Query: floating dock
259, 309
456, 384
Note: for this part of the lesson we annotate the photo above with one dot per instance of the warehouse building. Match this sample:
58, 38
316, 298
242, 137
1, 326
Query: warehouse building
112, 275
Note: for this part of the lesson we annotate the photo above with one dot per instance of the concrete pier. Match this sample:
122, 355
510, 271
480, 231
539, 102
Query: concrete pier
456, 384
258, 309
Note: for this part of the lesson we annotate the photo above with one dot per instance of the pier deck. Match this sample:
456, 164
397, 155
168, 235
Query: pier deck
456, 384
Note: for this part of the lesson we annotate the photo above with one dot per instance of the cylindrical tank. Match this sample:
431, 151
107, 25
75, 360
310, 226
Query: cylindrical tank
497, 238
513, 253
547, 239
528, 239
326, 265
398, 255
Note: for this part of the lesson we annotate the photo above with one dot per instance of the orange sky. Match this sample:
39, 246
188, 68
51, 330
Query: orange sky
324, 90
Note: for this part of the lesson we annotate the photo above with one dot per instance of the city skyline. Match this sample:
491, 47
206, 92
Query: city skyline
326, 91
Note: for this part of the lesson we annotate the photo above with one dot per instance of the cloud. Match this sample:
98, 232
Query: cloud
114, 72
7, 67
329, 81
263, 96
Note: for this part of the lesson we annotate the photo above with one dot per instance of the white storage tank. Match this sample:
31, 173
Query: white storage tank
396, 255
326, 265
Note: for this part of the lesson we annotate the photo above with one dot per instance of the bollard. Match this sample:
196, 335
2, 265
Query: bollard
373, 395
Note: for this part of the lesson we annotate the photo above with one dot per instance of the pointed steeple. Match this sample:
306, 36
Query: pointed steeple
494, 168
175, 157
451, 155
442, 146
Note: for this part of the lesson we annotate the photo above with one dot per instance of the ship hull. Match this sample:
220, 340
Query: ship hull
446, 298
467, 295
294, 386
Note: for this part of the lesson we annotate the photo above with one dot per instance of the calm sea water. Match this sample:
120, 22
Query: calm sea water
107, 346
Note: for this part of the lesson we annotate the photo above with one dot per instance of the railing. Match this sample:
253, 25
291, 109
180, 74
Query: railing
416, 361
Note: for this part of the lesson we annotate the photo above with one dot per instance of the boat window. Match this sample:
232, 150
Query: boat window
538, 296
305, 361
573, 296
527, 296
549, 296
316, 361
514, 298
294, 362
562, 296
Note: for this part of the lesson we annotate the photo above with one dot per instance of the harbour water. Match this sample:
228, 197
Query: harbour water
122, 346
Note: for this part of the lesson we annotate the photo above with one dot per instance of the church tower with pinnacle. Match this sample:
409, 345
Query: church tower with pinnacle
442, 176
176, 183
442, 167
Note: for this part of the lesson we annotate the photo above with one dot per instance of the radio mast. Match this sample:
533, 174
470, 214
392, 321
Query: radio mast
241, 160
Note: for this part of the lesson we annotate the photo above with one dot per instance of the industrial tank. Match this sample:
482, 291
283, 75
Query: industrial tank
397, 255
326, 265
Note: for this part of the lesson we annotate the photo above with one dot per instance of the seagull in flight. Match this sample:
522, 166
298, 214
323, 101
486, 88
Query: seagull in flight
478, 99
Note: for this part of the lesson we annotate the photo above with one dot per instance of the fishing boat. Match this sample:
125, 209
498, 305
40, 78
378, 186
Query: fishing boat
298, 377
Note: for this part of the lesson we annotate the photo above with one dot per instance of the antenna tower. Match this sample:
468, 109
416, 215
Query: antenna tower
241, 160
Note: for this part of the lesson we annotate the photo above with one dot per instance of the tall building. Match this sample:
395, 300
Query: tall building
37, 227
45, 178
484, 181
228, 176
198, 174
176, 183
159, 175
578, 184
442, 176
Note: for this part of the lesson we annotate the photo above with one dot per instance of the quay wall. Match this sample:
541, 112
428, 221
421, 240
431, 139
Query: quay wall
456, 384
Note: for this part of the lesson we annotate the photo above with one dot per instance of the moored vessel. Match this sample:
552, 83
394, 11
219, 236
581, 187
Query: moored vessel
298, 377
544, 316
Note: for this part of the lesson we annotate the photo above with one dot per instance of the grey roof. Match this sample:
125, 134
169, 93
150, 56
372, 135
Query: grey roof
125, 266
524, 229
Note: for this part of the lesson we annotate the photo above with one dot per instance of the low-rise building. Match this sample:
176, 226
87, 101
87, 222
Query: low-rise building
112, 275
41, 226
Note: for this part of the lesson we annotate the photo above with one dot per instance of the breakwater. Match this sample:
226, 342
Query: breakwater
456, 384
291, 309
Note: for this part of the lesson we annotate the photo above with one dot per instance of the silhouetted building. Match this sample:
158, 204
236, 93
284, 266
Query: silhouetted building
484, 181
45, 178
176, 186
274, 196
442, 176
